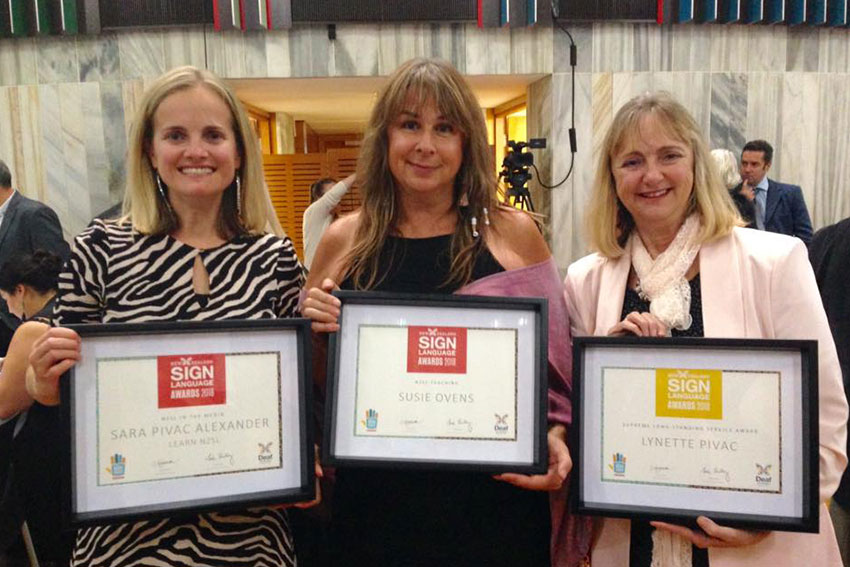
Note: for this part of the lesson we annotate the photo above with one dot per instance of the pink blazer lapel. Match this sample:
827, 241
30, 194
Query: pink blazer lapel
612, 289
722, 289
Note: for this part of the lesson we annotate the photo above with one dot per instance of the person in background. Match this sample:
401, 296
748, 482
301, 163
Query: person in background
200, 242
430, 223
28, 283
325, 196
779, 207
742, 194
28, 286
26, 225
672, 259
829, 253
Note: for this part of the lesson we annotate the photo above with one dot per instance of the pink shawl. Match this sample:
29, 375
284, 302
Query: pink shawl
571, 535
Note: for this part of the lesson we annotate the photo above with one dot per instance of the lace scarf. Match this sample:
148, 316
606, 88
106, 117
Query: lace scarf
662, 281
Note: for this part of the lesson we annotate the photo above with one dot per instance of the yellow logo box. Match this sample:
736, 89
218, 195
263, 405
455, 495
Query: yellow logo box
689, 393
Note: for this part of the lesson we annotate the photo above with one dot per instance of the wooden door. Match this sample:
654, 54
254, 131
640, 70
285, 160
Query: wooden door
289, 178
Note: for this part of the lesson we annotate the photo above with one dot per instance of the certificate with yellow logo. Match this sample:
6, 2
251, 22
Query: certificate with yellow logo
692, 427
445, 382
677, 428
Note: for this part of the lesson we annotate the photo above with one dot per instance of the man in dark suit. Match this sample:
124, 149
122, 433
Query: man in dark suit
830, 257
25, 226
779, 207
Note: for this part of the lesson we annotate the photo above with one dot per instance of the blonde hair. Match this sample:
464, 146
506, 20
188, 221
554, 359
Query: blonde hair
145, 208
609, 224
727, 167
418, 82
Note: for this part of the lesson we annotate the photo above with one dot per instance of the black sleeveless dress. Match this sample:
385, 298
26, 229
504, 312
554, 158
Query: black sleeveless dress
640, 548
407, 519
36, 459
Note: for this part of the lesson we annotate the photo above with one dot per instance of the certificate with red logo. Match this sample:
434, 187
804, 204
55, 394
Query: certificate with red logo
451, 382
171, 417
677, 428
180, 416
432, 392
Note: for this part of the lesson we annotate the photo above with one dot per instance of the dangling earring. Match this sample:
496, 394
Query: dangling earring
486, 217
162, 193
474, 222
238, 196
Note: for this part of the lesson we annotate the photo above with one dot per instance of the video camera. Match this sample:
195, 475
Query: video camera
515, 170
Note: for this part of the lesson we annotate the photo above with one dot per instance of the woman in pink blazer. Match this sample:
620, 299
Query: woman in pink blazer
672, 259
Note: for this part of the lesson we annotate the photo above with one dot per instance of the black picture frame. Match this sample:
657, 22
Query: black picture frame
83, 504
682, 505
412, 310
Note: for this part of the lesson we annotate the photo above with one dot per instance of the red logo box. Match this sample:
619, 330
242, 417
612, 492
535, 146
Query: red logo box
191, 380
436, 349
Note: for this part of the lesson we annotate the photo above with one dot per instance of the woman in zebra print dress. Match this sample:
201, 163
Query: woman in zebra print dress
194, 245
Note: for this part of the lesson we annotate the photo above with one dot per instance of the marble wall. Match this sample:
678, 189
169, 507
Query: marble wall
785, 85
66, 103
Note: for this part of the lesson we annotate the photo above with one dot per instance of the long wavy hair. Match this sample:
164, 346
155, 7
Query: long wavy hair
418, 82
609, 224
147, 210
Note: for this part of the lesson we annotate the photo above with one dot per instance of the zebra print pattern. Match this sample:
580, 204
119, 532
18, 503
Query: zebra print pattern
116, 275
258, 537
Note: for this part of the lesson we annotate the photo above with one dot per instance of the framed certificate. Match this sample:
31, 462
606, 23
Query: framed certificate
674, 428
438, 381
171, 418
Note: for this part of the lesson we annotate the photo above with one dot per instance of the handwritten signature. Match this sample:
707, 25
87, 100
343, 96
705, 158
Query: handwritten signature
460, 424
716, 474
220, 458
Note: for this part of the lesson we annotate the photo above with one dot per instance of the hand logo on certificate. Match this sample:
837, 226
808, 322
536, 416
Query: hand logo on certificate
619, 464
371, 421
116, 467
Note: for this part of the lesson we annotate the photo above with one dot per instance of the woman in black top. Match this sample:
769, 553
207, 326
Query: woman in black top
28, 284
430, 223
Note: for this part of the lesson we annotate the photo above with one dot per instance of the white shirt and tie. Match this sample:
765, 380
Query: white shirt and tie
761, 201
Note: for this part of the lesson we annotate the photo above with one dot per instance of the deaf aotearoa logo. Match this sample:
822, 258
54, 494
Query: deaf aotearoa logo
191, 380
436, 349
763, 476
265, 452
501, 426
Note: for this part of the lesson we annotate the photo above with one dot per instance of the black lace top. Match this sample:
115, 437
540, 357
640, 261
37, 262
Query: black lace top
640, 548
633, 302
